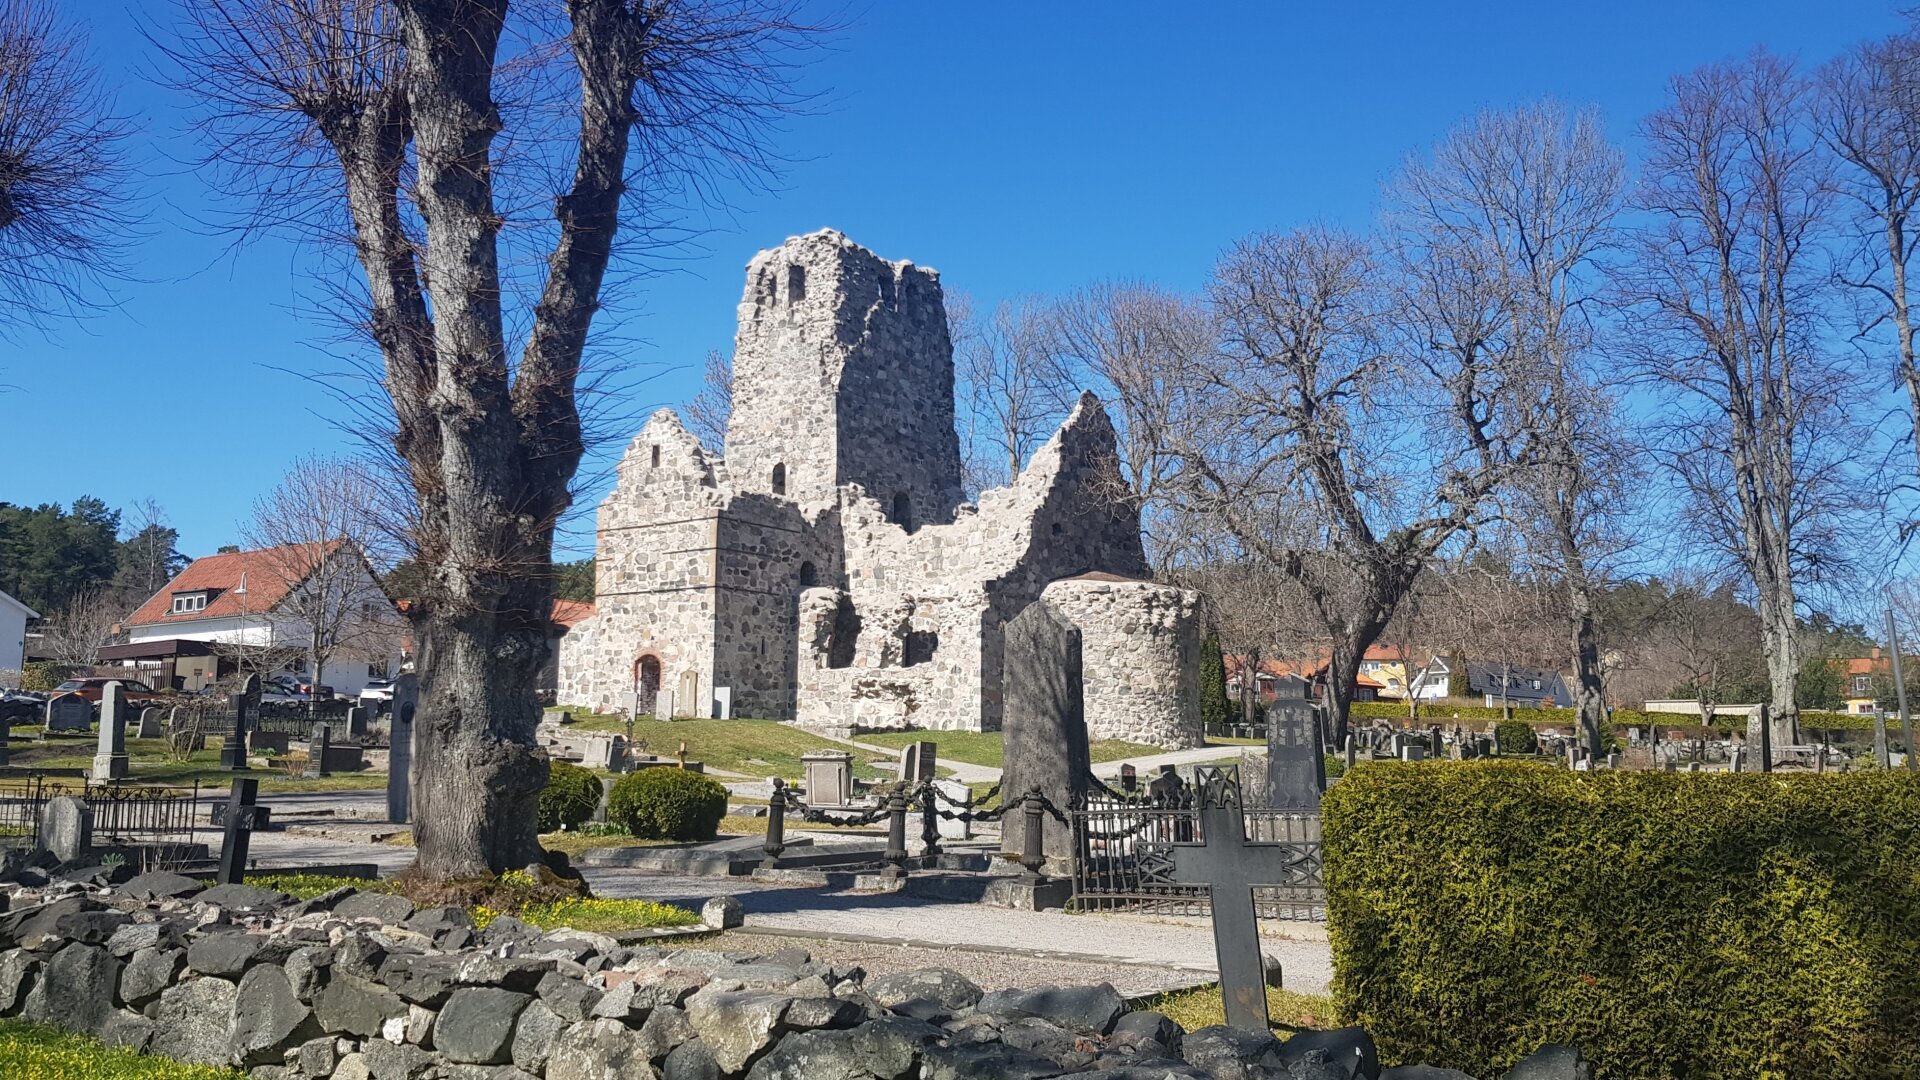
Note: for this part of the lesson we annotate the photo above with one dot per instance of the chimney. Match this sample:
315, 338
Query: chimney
242, 590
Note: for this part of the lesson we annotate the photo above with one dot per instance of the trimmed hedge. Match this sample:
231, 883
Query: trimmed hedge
1516, 737
1553, 717
569, 798
668, 804
1668, 924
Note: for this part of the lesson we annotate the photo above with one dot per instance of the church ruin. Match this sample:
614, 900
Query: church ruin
828, 570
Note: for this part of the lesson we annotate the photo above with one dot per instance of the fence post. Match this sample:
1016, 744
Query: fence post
1033, 854
896, 854
929, 819
776, 825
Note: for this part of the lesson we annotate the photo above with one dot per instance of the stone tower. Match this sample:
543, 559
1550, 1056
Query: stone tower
843, 374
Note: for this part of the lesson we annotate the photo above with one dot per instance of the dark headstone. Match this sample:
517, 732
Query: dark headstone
917, 762
406, 699
1881, 756
245, 706
69, 712
1045, 722
242, 817
1296, 755
318, 743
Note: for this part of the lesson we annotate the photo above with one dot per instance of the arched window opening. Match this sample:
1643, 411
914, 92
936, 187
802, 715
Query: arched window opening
921, 645
646, 684
903, 510
846, 635
809, 577
796, 284
780, 479
656, 455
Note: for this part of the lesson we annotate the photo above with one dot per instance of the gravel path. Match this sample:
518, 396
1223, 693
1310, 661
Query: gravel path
989, 970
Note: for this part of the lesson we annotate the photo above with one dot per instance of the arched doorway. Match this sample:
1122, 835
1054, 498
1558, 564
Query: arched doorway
646, 684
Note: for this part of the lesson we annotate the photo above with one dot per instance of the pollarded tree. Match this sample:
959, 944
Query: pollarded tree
433, 134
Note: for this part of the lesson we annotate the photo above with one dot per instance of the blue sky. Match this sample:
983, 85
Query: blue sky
1016, 148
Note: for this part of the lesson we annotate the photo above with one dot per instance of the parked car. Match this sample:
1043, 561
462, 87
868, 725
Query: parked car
17, 706
301, 684
377, 697
94, 687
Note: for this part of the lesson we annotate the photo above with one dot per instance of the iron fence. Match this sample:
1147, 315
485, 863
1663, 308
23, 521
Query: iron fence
1124, 857
155, 822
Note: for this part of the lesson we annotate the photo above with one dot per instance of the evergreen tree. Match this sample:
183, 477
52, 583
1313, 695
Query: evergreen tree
1214, 707
1458, 686
49, 555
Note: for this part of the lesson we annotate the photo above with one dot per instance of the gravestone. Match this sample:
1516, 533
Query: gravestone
723, 703
1412, 751
828, 777
687, 699
1129, 777
149, 726
318, 743
69, 712
267, 742
954, 828
1353, 752
917, 762
663, 705
406, 699
110, 758
1296, 755
1436, 742
238, 818
1881, 756
66, 827
356, 722
1231, 867
1167, 787
245, 706
1759, 755
1044, 723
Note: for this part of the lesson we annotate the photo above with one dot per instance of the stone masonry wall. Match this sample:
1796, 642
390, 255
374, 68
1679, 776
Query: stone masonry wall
1140, 645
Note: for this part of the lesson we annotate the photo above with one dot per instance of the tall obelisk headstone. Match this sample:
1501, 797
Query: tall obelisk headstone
1045, 723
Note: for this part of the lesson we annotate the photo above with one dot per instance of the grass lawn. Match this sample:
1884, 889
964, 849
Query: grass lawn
757, 748
988, 748
578, 913
1195, 1009
33, 1052
152, 764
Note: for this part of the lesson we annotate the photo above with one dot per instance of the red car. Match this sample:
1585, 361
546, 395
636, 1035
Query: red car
94, 687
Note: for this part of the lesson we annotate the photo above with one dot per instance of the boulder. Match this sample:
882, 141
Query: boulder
1552, 1062
665, 1029
1423, 1072
242, 897
1145, 1025
159, 885
1226, 1053
723, 913
225, 955
476, 1026
1089, 1010
17, 970
382, 908
691, 1060
317, 1057
1050, 1041
396, 1061
133, 937
886, 1048
1350, 1048
91, 927
128, 1030
950, 989
359, 955
738, 1025
354, 1006
37, 928
808, 1013
430, 980
533, 1037
306, 970
268, 1018
598, 1050
192, 1022
571, 999
76, 989
984, 1061
148, 973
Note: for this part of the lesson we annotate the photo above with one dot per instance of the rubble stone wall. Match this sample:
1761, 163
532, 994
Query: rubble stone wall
1140, 652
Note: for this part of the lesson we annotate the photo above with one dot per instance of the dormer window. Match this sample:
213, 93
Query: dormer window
186, 603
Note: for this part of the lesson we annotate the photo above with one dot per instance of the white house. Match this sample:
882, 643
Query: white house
13, 632
1524, 687
189, 633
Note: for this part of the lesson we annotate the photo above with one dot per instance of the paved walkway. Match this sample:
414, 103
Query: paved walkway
1148, 763
965, 772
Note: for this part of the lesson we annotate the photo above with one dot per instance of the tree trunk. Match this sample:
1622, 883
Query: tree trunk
1589, 694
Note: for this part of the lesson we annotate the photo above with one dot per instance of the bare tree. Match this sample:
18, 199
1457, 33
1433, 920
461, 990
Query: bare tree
63, 191
396, 115
81, 627
1869, 116
313, 532
1724, 295
1533, 192
1345, 452
709, 411
1016, 384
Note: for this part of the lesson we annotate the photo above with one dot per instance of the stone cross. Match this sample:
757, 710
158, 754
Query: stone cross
1231, 867
233, 749
318, 743
239, 817
1045, 722
406, 698
110, 758
1296, 755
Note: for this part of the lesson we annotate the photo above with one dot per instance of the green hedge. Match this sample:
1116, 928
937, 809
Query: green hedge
1516, 737
569, 798
1669, 924
1397, 710
668, 804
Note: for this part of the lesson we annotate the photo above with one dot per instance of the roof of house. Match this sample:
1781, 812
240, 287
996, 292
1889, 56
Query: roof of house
265, 573
570, 613
31, 614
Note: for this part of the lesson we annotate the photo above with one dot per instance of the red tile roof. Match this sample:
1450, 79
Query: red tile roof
570, 613
266, 573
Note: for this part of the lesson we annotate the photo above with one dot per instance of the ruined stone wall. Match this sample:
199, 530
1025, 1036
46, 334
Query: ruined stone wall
762, 545
843, 373
1140, 653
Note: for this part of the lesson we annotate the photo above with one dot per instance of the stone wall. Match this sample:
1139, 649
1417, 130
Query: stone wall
1140, 652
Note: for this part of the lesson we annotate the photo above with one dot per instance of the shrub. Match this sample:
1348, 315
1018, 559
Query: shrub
1668, 924
669, 804
570, 797
1516, 737
41, 676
